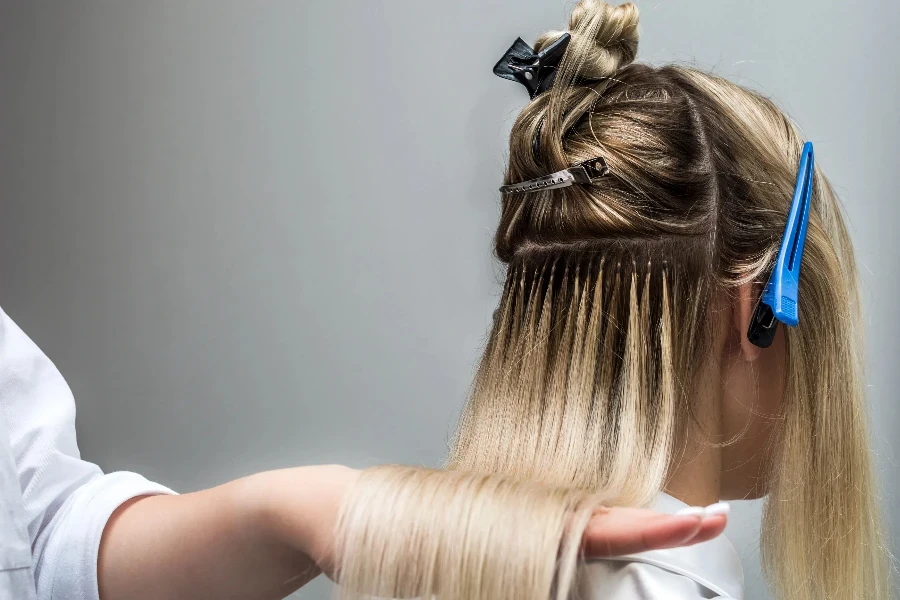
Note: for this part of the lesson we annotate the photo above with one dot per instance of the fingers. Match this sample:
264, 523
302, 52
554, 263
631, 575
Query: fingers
627, 530
712, 527
618, 531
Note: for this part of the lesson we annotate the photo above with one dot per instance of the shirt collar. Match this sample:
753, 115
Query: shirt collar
714, 564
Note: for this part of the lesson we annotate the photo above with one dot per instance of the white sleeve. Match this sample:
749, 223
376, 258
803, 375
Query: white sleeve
67, 501
624, 580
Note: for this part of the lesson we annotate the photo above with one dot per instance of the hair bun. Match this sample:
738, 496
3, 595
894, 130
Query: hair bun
613, 33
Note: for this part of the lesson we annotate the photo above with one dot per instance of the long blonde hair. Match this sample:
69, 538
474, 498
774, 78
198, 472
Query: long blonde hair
593, 360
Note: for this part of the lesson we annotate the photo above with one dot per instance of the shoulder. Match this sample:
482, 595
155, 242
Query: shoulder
631, 580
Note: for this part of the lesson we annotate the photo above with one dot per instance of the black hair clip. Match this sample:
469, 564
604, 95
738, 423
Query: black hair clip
536, 71
586, 173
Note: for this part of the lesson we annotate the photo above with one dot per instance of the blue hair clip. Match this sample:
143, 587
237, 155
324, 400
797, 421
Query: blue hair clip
779, 300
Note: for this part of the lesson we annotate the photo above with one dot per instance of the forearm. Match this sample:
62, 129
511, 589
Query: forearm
222, 543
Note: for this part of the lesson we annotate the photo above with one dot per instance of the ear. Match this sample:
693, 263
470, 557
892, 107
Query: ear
742, 311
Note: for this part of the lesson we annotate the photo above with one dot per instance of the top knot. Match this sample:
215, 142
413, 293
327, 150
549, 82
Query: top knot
606, 37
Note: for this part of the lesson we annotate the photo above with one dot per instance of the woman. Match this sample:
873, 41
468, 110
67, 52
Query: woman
619, 367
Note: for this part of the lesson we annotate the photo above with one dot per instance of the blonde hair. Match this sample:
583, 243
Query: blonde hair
598, 344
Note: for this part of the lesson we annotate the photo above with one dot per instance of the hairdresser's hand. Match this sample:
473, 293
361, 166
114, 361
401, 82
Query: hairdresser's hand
302, 507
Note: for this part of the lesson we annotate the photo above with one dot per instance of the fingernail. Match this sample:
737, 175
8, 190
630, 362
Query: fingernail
691, 511
719, 508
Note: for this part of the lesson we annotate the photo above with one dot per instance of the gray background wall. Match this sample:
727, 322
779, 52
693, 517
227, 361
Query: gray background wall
257, 234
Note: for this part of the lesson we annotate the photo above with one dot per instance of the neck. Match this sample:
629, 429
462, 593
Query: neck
695, 473
694, 477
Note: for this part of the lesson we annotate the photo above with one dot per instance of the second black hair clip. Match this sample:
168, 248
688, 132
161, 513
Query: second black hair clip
535, 70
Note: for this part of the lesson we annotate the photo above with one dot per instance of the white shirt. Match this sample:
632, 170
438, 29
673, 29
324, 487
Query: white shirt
53, 505
708, 570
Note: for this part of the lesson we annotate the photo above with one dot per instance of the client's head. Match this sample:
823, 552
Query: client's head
619, 357
619, 363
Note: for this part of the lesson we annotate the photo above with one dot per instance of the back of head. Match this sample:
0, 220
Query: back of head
603, 329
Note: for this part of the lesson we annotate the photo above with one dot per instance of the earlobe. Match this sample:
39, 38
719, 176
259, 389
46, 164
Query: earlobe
743, 312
